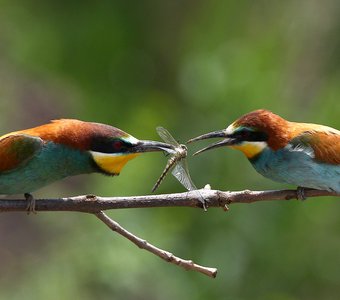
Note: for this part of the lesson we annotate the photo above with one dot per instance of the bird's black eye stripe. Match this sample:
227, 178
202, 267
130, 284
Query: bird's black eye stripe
259, 136
251, 136
107, 145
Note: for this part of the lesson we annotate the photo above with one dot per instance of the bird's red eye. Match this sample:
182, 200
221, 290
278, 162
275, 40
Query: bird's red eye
117, 145
245, 134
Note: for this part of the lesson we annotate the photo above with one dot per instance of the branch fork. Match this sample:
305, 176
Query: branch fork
215, 198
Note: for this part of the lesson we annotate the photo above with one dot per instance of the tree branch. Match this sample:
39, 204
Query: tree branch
95, 205
215, 198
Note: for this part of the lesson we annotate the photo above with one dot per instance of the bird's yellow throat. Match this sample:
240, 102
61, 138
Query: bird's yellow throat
251, 149
112, 163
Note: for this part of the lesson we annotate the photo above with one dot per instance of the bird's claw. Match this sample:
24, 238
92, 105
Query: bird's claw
30, 208
300, 193
204, 202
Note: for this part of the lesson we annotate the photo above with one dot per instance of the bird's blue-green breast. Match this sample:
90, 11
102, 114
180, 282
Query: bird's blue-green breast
51, 163
297, 167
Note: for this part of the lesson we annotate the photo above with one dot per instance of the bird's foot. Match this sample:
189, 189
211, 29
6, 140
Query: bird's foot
30, 203
300, 193
205, 204
203, 200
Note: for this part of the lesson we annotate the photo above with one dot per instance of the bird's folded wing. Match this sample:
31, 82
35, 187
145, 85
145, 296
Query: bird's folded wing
325, 145
17, 149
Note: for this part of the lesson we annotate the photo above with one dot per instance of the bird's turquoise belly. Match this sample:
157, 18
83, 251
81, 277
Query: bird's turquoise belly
298, 168
52, 163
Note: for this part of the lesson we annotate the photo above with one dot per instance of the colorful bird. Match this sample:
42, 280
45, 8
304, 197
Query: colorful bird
306, 155
35, 157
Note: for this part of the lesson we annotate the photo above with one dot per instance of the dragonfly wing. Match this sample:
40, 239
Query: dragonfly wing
181, 172
166, 136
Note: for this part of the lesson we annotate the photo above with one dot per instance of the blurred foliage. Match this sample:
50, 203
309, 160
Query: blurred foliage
192, 67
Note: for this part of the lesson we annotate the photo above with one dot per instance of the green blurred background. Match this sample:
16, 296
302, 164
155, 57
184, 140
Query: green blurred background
192, 67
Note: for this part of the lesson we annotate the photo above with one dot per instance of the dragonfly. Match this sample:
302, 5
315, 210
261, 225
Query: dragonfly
177, 163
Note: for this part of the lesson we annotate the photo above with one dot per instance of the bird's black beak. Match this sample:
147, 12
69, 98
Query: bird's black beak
151, 146
227, 141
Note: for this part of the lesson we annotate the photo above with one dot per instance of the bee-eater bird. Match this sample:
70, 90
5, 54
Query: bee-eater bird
306, 155
35, 157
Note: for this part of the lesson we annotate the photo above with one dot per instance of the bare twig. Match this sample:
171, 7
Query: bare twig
167, 256
215, 198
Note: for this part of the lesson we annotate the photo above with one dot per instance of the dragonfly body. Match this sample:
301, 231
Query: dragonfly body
181, 152
178, 163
